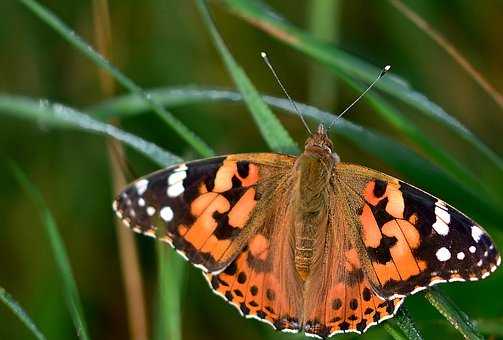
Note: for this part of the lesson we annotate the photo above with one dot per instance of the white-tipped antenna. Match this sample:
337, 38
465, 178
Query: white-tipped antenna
382, 73
268, 63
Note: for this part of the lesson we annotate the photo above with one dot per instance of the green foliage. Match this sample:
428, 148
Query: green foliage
9, 301
69, 285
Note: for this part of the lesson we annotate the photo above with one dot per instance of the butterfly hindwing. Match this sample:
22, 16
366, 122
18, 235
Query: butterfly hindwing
414, 240
339, 297
201, 208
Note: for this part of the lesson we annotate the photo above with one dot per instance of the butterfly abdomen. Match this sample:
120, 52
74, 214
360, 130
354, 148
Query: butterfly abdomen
313, 176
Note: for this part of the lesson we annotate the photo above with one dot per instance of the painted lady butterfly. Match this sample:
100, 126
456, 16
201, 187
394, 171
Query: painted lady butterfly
307, 243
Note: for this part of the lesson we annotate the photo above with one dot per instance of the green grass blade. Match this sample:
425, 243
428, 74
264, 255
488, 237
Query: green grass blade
456, 317
171, 270
69, 285
69, 35
324, 20
394, 331
258, 14
63, 116
271, 129
399, 157
406, 324
12, 304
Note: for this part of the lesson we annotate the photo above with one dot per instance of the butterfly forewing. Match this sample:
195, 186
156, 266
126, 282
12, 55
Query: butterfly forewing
201, 208
413, 239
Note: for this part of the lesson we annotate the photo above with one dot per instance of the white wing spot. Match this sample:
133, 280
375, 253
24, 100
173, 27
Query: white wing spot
141, 186
444, 215
476, 233
440, 224
181, 167
472, 249
486, 253
441, 204
166, 214
175, 189
150, 211
479, 264
141, 202
460, 255
176, 177
443, 254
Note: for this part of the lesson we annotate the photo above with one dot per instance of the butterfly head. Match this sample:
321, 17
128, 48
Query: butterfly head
319, 142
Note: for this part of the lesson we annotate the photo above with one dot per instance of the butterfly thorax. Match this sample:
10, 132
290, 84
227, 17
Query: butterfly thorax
313, 168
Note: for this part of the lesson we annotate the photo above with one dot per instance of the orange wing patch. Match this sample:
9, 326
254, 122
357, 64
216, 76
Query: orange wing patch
251, 285
200, 207
350, 305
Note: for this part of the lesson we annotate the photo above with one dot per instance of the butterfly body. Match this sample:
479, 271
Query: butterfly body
307, 243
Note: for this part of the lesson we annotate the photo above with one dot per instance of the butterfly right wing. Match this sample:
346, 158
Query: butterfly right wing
204, 208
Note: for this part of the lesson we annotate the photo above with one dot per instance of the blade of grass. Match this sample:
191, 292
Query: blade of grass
324, 23
449, 48
271, 129
406, 324
394, 331
16, 308
260, 15
457, 318
60, 27
127, 250
171, 270
69, 285
63, 116
402, 159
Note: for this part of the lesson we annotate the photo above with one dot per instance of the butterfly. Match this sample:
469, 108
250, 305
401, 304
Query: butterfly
307, 243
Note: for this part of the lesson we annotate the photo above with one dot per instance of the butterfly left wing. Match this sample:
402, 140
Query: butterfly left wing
409, 239
202, 208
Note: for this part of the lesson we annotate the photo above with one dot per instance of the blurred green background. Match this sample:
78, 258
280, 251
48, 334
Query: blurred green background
162, 43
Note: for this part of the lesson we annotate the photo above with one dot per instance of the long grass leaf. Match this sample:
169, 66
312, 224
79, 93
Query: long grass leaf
406, 324
271, 129
324, 18
86, 49
21, 314
69, 285
171, 269
399, 157
394, 331
457, 318
260, 15
450, 49
43, 111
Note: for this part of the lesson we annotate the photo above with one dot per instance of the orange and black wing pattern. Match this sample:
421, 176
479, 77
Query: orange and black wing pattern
339, 296
412, 239
201, 208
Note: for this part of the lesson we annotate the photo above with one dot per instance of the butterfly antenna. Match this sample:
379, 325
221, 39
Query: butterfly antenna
268, 63
381, 74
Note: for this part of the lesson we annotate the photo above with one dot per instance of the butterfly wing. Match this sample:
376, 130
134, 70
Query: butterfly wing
410, 239
262, 282
205, 208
